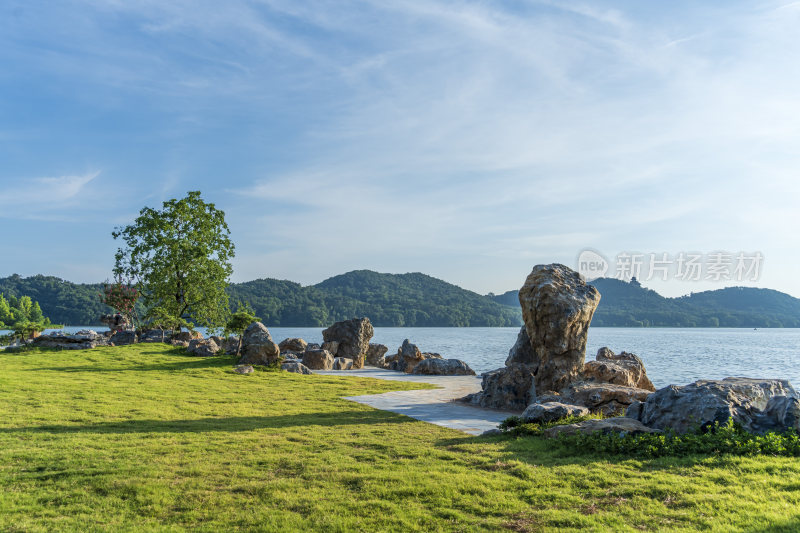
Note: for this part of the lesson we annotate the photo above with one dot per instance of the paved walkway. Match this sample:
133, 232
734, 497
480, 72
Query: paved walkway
436, 406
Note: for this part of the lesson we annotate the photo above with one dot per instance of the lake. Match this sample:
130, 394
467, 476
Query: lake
671, 355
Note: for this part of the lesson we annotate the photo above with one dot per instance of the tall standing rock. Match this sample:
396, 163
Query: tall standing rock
257, 346
557, 307
353, 337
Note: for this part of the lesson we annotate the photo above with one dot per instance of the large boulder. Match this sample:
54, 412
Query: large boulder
293, 345
353, 337
376, 355
552, 411
203, 347
758, 405
82, 340
511, 388
557, 307
407, 357
443, 367
619, 426
623, 369
257, 346
605, 398
318, 359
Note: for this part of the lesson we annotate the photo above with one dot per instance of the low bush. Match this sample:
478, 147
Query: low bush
517, 427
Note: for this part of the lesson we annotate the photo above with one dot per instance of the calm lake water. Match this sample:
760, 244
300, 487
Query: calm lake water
671, 355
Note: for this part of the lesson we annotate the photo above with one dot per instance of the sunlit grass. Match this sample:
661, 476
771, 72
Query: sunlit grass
146, 438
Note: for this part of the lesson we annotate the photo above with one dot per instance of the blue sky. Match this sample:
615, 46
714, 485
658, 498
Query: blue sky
466, 140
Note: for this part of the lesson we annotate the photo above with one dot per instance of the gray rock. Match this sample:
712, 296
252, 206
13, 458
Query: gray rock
522, 351
186, 336
243, 369
491, 432
203, 347
620, 426
758, 405
331, 346
342, 363
156, 335
353, 337
511, 388
623, 369
443, 367
606, 398
121, 338
376, 355
257, 346
293, 344
557, 307
83, 340
296, 368
552, 411
407, 357
318, 359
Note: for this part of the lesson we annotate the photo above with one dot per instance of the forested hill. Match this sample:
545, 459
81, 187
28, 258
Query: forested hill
630, 305
387, 299
420, 300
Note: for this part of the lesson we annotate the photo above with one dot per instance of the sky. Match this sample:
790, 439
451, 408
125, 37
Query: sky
466, 140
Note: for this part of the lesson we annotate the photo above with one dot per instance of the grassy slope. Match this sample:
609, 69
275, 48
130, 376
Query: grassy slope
143, 438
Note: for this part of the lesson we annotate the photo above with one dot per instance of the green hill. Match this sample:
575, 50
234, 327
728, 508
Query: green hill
626, 304
420, 300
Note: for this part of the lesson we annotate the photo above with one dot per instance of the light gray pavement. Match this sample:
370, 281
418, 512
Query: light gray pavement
436, 406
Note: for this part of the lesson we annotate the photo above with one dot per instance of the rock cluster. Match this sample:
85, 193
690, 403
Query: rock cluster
411, 360
352, 339
546, 363
82, 340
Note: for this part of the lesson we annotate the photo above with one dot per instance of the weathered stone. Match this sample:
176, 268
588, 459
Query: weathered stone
342, 363
522, 351
443, 367
619, 425
186, 336
82, 340
115, 322
295, 367
623, 369
376, 355
217, 340
293, 345
203, 347
509, 388
156, 335
313, 346
257, 346
407, 357
557, 307
758, 405
552, 411
243, 369
606, 398
122, 338
331, 346
353, 337
318, 359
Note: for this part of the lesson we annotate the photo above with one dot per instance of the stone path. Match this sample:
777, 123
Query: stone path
435, 405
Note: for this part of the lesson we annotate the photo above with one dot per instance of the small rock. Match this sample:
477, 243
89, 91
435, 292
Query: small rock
342, 363
606, 398
296, 368
121, 338
293, 344
443, 367
552, 411
243, 369
203, 347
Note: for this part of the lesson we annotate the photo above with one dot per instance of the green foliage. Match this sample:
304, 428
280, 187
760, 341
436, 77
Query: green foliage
517, 427
62, 301
239, 321
180, 257
720, 439
22, 316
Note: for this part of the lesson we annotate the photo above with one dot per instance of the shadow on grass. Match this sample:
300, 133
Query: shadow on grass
224, 424
182, 362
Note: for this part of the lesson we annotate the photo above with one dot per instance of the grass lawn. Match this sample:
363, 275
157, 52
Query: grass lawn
144, 438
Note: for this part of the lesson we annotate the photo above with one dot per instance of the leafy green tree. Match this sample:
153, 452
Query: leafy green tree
238, 322
180, 258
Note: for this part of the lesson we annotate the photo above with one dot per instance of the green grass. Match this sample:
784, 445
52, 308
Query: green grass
144, 438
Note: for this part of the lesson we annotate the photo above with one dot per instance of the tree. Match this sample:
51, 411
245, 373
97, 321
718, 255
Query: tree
239, 321
179, 257
121, 297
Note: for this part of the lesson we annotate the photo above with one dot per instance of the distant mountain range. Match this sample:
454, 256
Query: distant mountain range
420, 300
